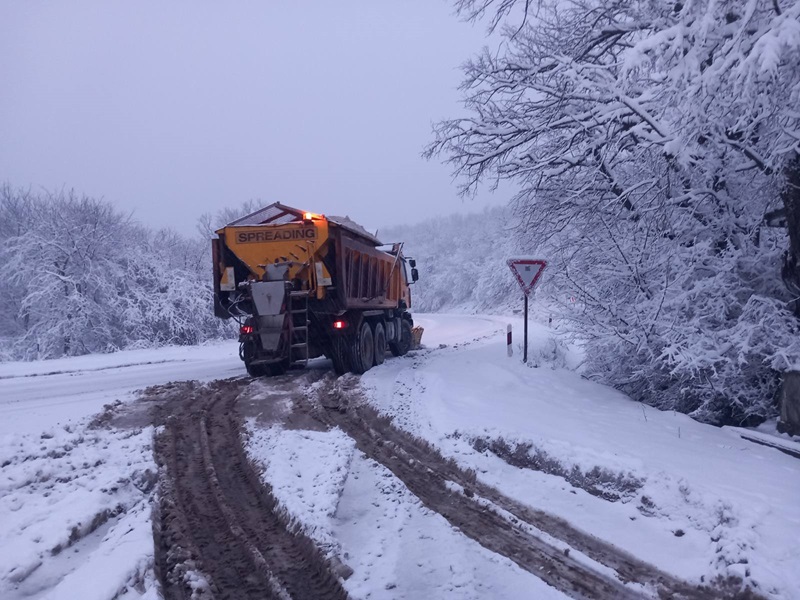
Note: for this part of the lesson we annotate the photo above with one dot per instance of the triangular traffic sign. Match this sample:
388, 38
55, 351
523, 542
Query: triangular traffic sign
527, 271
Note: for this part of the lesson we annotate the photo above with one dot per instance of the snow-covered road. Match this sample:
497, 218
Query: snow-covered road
43, 394
697, 502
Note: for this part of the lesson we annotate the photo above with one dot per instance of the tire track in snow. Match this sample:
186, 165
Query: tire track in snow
197, 534
219, 532
494, 520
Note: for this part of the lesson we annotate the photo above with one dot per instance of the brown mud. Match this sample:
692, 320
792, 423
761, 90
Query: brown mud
217, 522
218, 529
494, 520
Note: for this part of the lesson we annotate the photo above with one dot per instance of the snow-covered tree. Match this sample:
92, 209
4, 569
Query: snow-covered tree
461, 261
57, 264
79, 277
648, 139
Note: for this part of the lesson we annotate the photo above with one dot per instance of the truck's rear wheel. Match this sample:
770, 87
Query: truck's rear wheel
266, 370
362, 356
339, 355
380, 344
403, 345
248, 352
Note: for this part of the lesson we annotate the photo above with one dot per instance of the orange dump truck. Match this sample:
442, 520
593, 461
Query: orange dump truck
303, 285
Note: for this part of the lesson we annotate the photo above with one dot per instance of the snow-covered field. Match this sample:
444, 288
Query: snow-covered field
696, 501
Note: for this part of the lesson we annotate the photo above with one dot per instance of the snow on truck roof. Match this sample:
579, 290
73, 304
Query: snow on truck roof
353, 227
280, 214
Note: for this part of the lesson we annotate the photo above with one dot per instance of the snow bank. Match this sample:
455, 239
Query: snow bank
710, 504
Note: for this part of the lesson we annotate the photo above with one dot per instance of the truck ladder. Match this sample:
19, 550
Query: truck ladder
298, 328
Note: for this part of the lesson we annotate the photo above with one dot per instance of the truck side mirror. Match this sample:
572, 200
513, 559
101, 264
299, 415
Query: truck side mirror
412, 263
414, 275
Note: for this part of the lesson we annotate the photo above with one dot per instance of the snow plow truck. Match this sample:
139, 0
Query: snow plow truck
303, 285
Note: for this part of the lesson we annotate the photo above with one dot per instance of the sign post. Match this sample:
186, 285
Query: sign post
527, 271
525, 347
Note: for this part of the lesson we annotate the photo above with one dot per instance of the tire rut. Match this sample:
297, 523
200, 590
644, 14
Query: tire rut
494, 520
215, 516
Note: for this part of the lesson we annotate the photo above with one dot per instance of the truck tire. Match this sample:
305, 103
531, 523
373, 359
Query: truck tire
339, 356
362, 354
403, 345
380, 344
266, 370
248, 354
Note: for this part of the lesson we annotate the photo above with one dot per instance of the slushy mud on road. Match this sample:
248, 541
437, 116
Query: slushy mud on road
220, 532
538, 542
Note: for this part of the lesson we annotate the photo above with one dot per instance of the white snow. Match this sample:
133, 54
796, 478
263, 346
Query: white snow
307, 470
35, 395
125, 555
733, 501
75, 513
60, 478
400, 549
449, 329
358, 511
720, 505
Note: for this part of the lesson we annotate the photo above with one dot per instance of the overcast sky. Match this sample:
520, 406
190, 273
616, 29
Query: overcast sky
171, 109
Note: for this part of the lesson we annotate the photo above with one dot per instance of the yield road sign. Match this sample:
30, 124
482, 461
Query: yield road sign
527, 271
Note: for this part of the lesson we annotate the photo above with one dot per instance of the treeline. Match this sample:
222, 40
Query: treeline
78, 276
461, 260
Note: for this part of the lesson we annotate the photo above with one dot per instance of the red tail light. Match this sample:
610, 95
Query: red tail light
246, 329
339, 324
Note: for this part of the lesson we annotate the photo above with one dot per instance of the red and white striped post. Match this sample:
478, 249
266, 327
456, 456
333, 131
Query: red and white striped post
508, 341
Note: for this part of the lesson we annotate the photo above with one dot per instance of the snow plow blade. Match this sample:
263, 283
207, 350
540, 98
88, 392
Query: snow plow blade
416, 334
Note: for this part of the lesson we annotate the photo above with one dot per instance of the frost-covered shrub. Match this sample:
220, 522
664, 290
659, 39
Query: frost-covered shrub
553, 353
713, 345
